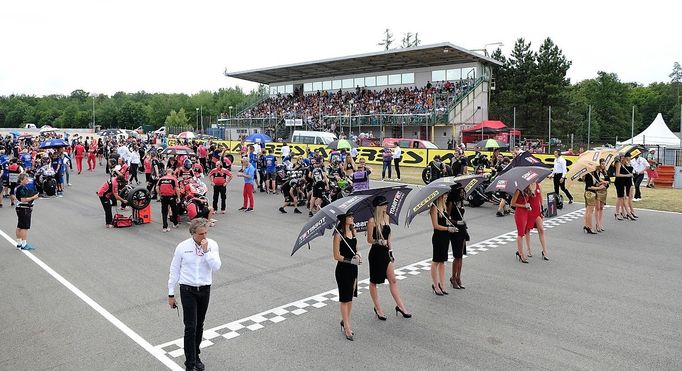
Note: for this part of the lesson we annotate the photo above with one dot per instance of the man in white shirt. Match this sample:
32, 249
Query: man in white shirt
559, 171
286, 152
397, 156
194, 261
124, 152
639, 166
256, 147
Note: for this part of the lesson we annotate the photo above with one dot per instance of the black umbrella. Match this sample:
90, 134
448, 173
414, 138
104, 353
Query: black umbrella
178, 151
524, 159
395, 196
518, 178
428, 194
631, 150
326, 218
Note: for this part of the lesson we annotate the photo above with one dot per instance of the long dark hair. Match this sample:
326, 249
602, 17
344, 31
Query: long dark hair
341, 226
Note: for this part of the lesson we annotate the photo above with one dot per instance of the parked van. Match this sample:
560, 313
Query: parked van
408, 143
312, 137
160, 131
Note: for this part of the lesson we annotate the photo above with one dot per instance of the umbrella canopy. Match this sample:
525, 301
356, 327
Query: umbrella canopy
524, 159
53, 143
110, 132
258, 138
326, 218
632, 150
518, 179
186, 135
46, 129
491, 143
589, 161
341, 144
427, 195
15, 133
178, 150
25, 136
395, 196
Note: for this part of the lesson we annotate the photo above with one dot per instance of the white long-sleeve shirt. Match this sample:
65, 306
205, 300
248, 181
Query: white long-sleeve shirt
188, 268
639, 164
560, 166
397, 153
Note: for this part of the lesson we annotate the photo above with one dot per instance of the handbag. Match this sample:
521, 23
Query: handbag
121, 221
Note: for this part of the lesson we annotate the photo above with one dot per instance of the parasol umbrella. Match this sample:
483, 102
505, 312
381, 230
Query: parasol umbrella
258, 138
326, 218
589, 161
524, 159
428, 194
395, 196
178, 150
518, 179
47, 129
110, 132
25, 136
631, 149
491, 143
359, 204
342, 144
186, 135
15, 133
53, 143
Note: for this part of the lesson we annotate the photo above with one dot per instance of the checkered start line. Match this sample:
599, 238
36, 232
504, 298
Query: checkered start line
269, 317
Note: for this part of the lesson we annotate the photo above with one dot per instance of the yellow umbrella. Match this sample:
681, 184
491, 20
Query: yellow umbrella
589, 161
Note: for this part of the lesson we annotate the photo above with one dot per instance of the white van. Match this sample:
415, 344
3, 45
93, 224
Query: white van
312, 137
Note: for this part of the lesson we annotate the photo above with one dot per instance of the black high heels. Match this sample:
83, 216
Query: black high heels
631, 217
343, 329
588, 230
436, 292
383, 318
454, 283
405, 315
544, 257
520, 259
441, 290
618, 216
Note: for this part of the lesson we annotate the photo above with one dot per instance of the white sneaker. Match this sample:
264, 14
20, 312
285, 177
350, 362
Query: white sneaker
636, 199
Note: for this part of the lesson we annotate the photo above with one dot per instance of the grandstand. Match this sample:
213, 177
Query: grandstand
428, 92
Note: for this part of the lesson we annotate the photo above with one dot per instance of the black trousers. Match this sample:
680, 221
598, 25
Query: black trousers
638, 178
106, 204
166, 202
194, 307
133, 172
396, 164
202, 161
222, 192
558, 184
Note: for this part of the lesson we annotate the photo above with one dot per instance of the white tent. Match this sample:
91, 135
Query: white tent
657, 133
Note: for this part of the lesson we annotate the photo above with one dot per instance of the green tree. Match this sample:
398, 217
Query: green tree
177, 119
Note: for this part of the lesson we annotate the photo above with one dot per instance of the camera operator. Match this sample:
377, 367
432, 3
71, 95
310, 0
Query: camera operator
290, 191
320, 183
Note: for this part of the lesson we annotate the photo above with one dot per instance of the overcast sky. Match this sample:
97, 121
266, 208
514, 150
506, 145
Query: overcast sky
55, 47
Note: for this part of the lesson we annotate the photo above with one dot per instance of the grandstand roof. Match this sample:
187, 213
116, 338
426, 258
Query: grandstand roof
396, 59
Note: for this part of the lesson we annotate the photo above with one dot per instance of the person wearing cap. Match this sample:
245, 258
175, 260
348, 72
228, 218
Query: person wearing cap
347, 258
381, 259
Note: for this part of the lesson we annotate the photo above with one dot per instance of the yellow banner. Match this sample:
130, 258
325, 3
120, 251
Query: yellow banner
372, 155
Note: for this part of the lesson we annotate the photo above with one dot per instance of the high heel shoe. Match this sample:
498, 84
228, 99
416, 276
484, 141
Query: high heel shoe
529, 255
618, 216
441, 290
405, 315
519, 256
634, 216
436, 292
588, 230
343, 329
459, 283
454, 284
383, 318
544, 257
629, 216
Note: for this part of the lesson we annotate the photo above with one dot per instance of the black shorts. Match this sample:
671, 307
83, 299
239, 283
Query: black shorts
24, 217
12, 186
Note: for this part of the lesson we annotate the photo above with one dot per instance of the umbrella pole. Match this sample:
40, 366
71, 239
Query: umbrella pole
344, 240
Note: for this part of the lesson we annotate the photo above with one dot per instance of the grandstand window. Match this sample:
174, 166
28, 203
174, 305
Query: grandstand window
438, 75
289, 89
455, 74
336, 84
347, 83
308, 87
468, 73
273, 90
370, 81
359, 81
317, 85
394, 79
382, 80
408, 78
327, 85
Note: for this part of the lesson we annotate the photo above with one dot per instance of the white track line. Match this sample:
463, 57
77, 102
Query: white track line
158, 354
234, 329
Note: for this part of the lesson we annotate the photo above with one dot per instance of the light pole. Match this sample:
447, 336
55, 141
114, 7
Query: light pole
197, 118
230, 122
93, 111
202, 119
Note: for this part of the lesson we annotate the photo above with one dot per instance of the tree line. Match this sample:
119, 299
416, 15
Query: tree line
123, 110
532, 81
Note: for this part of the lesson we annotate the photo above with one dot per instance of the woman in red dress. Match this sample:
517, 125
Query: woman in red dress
535, 219
521, 203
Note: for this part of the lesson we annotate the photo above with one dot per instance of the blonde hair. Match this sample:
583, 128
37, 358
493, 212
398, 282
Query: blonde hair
440, 202
349, 159
379, 215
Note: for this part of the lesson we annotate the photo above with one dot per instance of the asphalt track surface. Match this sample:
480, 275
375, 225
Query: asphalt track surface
607, 302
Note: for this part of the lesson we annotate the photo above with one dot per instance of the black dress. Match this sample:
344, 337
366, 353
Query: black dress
347, 274
378, 257
458, 238
441, 242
